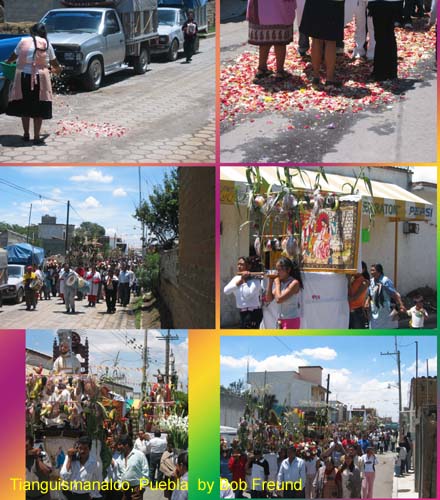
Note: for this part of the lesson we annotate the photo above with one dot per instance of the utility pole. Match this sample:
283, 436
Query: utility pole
417, 376
168, 338
144, 366
327, 396
397, 353
66, 245
142, 222
427, 383
29, 224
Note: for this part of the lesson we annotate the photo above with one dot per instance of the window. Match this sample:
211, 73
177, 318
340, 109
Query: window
111, 23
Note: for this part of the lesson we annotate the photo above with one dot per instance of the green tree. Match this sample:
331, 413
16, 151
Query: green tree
160, 213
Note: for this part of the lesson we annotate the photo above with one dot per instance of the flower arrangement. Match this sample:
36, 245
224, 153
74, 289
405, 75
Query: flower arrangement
176, 426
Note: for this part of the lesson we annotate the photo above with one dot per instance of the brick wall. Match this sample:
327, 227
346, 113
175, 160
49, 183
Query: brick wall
211, 13
28, 10
187, 285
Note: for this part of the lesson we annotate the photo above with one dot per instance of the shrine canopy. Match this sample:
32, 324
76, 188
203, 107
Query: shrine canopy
390, 200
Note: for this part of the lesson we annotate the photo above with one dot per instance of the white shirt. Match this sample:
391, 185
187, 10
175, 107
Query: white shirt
156, 445
292, 471
133, 468
247, 295
141, 445
87, 472
272, 460
68, 364
417, 317
50, 56
369, 463
310, 466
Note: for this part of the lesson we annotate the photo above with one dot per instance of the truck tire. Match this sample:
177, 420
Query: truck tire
4, 96
93, 77
197, 45
174, 50
20, 296
140, 63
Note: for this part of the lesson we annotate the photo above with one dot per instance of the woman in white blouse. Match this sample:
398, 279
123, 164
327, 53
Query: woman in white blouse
247, 291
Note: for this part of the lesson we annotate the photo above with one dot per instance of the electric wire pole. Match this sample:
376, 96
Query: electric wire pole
397, 353
168, 338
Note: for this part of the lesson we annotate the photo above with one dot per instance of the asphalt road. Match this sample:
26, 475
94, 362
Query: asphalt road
166, 115
403, 132
52, 314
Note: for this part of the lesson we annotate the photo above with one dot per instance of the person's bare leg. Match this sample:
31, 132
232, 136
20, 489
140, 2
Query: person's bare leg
25, 121
330, 60
280, 54
317, 46
263, 55
38, 122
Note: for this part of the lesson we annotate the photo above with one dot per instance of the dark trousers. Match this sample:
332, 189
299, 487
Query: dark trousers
384, 15
76, 496
188, 47
110, 299
291, 493
303, 42
124, 293
30, 297
154, 464
358, 319
250, 320
402, 466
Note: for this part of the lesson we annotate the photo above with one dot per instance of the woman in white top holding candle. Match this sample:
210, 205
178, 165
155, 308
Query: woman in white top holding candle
247, 291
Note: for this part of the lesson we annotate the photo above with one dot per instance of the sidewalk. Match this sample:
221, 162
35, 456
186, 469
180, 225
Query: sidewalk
403, 487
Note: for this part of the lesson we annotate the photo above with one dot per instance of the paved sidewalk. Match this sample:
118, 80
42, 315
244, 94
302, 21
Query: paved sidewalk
403, 487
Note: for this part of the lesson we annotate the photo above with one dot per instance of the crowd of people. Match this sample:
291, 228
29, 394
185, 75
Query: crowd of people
372, 298
271, 24
112, 281
341, 467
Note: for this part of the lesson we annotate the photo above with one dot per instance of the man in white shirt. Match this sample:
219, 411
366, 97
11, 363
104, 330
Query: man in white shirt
125, 281
140, 443
292, 475
79, 468
155, 448
132, 468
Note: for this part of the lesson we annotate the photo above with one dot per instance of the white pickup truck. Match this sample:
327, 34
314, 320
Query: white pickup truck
91, 42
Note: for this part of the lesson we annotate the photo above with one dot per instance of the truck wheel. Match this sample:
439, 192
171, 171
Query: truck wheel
93, 77
4, 96
20, 296
196, 45
174, 51
140, 64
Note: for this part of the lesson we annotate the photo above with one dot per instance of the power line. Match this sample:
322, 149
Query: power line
12, 185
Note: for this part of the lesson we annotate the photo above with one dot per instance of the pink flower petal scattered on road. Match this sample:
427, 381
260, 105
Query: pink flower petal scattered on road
239, 96
81, 127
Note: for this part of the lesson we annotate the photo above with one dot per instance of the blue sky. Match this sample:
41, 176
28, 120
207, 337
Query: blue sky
104, 346
105, 195
358, 373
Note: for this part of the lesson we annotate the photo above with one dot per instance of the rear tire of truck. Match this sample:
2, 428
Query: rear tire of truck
93, 76
4, 96
174, 51
20, 296
140, 63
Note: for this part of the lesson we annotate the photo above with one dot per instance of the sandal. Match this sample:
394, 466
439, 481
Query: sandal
26, 137
262, 73
38, 142
282, 75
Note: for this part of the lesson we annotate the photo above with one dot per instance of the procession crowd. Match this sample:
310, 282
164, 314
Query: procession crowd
372, 298
271, 24
342, 467
111, 280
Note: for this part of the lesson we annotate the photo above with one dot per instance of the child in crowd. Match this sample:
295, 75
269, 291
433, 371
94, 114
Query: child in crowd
418, 313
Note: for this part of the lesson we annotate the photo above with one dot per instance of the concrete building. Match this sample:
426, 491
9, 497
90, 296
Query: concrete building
232, 409
337, 412
53, 235
302, 389
187, 273
403, 237
9, 237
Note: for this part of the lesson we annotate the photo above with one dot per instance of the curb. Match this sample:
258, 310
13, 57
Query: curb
233, 17
204, 36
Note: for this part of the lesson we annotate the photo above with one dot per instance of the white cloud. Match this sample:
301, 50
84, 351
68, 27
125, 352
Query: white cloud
288, 362
90, 202
93, 175
119, 193
110, 231
325, 353
56, 191
432, 367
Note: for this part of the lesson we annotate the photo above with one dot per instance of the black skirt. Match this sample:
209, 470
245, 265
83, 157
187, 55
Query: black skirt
30, 106
323, 19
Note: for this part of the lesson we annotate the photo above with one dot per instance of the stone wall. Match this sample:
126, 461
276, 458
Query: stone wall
211, 14
187, 281
231, 409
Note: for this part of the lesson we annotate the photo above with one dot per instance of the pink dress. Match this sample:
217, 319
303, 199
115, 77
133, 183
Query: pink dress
271, 21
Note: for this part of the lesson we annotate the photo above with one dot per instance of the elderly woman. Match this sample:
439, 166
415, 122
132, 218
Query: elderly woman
271, 23
31, 93
323, 20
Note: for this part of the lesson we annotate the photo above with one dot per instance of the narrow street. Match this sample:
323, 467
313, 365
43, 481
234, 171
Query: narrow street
164, 116
52, 314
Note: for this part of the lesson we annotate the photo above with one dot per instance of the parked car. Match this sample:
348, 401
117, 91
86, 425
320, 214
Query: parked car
15, 288
93, 42
7, 46
3, 274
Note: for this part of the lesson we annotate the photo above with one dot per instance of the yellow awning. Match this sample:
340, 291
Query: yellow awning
389, 199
